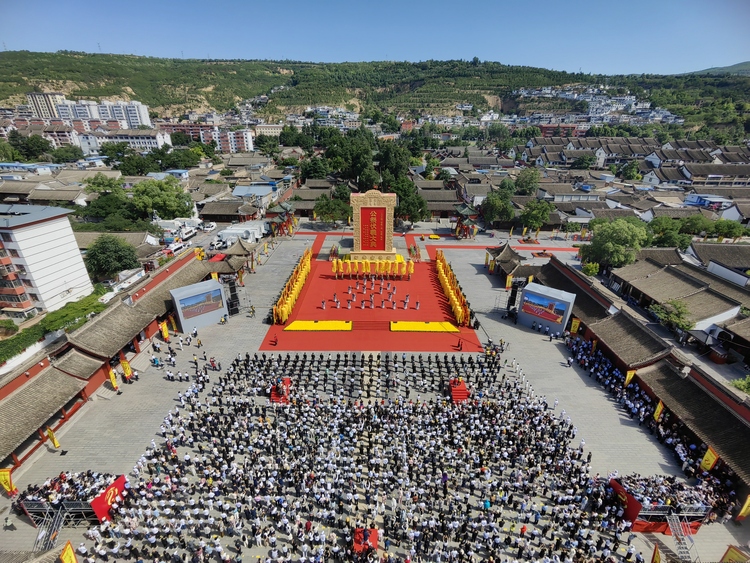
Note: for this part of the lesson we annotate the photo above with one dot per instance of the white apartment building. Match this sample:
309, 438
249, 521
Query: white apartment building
44, 104
229, 142
46, 267
134, 114
142, 140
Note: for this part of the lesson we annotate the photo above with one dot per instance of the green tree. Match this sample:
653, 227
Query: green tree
267, 144
661, 225
180, 139
615, 243
673, 239
115, 151
728, 228
527, 181
536, 213
583, 162
109, 255
342, 192
673, 314
166, 198
31, 147
590, 268
67, 154
630, 171
8, 153
497, 207
331, 210
696, 225
314, 168
443, 175
411, 205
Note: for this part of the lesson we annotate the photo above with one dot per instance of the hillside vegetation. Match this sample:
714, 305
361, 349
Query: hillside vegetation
712, 103
739, 68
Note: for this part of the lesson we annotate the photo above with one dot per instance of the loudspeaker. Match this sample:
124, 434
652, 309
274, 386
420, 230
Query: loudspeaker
232, 286
233, 306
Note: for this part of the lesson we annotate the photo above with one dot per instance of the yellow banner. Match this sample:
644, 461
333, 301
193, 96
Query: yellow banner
593, 346
113, 379
709, 459
656, 557
68, 554
658, 411
126, 368
575, 324
523, 234
172, 322
164, 330
734, 554
745, 512
215, 276
486, 259
629, 377
508, 282
241, 275
531, 279
6, 480
52, 437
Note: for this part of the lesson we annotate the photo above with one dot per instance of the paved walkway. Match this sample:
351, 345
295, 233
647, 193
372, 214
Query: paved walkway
110, 433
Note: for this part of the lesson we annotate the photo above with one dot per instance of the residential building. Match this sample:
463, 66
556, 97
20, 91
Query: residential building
139, 139
229, 142
44, 104
192, 130
134, 113
42, 267
268, 129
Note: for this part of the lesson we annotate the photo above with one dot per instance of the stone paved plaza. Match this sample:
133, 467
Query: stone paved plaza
112, 431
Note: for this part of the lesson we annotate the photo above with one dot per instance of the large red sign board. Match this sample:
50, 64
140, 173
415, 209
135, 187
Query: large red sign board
372, 228
102, 504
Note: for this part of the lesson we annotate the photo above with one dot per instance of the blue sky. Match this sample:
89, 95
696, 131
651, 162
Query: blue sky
635, 36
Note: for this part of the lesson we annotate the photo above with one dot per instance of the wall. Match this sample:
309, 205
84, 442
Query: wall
727, 273
717, 319
53, 262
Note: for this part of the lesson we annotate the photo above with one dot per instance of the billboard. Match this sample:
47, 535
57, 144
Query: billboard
199, 304
372, 227
544, 307
202, 303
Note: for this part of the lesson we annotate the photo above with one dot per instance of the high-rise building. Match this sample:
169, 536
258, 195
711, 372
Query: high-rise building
131, 114
44, 104
40, 264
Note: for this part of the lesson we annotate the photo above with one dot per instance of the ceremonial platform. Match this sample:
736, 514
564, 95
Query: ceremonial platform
459, 391
283, 397
350, 327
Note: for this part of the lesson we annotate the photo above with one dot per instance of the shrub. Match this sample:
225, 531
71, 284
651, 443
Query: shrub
743, 384
591, 268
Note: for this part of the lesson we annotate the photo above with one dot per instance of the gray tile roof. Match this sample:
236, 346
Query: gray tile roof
33, 404
630, 340
78, 364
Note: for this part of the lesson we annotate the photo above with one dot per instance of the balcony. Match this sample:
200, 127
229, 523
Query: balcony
15, 306
6, 269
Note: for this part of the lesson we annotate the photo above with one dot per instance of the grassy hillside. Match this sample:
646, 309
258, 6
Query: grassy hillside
178, 83
715, 106
742, 69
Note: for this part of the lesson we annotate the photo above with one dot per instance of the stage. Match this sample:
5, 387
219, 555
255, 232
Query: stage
369, 328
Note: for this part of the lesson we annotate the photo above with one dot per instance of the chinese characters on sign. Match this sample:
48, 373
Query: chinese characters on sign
372, 228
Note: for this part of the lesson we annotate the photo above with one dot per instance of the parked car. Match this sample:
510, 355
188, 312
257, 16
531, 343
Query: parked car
207, 227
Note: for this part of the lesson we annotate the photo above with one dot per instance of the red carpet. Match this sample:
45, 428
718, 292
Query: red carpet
459, 391
359, 536
275, 397
370, 328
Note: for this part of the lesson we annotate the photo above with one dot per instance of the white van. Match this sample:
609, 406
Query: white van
176, 247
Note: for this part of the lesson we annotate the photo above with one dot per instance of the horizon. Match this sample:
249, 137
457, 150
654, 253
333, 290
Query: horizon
586, 38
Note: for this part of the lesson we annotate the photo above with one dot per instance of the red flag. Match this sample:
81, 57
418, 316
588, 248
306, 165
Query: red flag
629, 503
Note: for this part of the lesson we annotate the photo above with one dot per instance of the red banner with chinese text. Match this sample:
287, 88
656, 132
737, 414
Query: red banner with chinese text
102, 504
372, 228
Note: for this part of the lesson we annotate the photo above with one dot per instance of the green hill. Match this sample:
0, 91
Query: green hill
714, 106
174, 84
742, 69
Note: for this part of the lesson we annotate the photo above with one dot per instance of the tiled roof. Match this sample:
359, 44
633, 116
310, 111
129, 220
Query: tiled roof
730, 255
33, 404
630, 340
77, 363
703, 414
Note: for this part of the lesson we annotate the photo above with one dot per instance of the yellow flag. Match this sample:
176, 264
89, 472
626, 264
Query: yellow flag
709, 459
126, 368
113, 378
508, 282
164, 330
215, 276
658, 411
745, 511
523, 234
531, 279
575, 324
6, 480
629, 377
656, 557
593, 346
52, 437
172, 322
68, 554
486, 259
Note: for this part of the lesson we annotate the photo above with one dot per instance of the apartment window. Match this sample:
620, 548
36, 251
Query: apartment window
27, 283
34, 297
13, 252
6, 237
